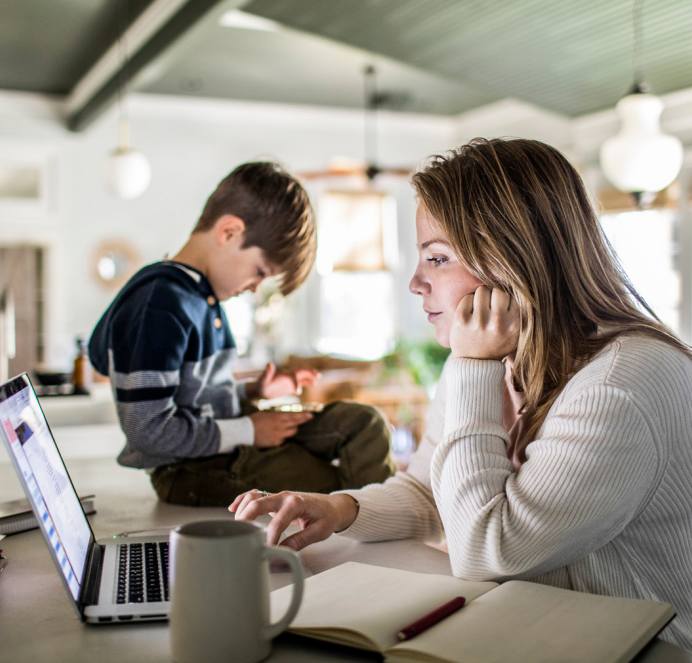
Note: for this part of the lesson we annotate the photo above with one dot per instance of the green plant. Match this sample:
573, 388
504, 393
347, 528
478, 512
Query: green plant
422, 360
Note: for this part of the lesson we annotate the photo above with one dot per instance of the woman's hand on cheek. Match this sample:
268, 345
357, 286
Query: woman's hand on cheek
485, 326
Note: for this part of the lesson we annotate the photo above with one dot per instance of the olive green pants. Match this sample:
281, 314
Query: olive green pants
356, 435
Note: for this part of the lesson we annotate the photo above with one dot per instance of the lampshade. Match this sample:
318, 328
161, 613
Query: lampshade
127, 173
641, 158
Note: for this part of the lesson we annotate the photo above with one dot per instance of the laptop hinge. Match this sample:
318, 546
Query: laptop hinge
93, 576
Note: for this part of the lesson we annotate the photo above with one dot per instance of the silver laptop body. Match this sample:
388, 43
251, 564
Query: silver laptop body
120, 580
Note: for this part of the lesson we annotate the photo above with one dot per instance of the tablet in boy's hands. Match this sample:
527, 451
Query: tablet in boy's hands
297, 407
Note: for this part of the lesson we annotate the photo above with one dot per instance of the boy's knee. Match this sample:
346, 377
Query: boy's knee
361, 417
376, 419
161, 481
355, 411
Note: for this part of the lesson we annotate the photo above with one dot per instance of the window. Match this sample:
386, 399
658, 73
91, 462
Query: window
357, 314
240, 312
645, 243
20, 182
357, 250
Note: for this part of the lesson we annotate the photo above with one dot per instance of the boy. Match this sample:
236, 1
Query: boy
168, 350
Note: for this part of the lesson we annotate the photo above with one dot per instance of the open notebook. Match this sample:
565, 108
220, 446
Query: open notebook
366, 606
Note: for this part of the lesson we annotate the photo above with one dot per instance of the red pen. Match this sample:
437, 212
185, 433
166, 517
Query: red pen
437, 615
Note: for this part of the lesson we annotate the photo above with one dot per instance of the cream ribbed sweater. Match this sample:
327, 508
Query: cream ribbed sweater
603, 503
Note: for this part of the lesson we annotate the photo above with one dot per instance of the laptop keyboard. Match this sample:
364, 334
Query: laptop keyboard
142, 572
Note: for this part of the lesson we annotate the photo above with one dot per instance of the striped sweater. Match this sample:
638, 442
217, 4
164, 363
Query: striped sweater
166, 345
603, 503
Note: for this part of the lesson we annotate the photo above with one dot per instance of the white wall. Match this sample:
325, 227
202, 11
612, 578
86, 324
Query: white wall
191, 145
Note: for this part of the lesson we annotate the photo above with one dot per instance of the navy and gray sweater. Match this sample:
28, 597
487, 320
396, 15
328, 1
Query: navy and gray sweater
166, 345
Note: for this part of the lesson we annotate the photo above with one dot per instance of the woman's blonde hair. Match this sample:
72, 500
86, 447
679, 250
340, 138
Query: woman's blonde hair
518, 216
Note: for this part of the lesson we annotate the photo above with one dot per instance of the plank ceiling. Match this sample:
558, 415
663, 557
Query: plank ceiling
568, 56
434, 56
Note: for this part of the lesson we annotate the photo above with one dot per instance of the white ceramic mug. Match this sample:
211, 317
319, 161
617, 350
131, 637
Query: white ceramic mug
219, 588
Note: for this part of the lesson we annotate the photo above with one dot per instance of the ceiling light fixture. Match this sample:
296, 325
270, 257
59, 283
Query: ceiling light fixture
127, 171
345, 166
640, 160
235, 18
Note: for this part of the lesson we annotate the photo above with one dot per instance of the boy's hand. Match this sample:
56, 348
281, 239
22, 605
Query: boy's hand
274, 384
485, 326
272, 428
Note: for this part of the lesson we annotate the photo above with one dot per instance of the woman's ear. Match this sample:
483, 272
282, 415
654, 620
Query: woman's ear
228, 227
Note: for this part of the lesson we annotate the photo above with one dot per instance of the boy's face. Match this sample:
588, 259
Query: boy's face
440, 278
236, 269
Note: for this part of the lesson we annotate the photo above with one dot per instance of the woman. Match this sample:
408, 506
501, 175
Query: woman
559, 445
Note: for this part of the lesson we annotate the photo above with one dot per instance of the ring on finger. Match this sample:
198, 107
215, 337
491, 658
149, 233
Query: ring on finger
263, 493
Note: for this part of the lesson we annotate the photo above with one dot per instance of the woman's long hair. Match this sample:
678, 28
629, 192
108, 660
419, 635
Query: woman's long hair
517, 215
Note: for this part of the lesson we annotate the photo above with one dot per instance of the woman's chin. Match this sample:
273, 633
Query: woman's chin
443, 339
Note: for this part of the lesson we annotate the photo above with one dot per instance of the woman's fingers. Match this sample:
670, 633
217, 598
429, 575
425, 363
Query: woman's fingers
249, 506
318, 516
465, 308
486, 325
299, 540
482, 299
284, 508
514, 315
242, 499
291, 509
499, 300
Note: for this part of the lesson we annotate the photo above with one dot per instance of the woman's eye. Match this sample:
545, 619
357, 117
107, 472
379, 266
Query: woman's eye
260, 273
437, 261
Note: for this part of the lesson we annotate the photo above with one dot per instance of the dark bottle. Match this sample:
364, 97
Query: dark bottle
82, 375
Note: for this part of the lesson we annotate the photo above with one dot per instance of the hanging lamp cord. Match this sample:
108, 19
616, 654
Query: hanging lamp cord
638, 86
123, 76
370, 102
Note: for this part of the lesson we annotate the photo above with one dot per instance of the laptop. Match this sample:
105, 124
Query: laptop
123, 580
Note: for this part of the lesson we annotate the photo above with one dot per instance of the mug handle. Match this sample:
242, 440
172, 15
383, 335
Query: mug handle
291, 558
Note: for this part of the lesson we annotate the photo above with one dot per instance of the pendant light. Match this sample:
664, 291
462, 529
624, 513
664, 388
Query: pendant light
640, 159
127, 171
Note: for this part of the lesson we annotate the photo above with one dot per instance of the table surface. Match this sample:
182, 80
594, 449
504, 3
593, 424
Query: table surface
38, 623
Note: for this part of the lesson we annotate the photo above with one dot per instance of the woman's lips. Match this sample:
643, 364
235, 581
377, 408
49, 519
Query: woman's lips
432, 315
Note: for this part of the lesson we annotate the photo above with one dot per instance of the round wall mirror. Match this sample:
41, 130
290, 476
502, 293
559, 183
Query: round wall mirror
114, 262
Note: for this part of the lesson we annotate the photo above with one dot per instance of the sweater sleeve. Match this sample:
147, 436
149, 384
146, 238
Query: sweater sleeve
586, 477
403, 506
235, 432
145, 369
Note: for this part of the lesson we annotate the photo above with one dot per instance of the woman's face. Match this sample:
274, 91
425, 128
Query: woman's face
440, 279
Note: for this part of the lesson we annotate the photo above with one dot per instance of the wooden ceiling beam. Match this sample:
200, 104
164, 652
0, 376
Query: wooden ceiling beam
161, 24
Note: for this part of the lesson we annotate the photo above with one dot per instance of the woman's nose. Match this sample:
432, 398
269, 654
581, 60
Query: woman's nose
417, 285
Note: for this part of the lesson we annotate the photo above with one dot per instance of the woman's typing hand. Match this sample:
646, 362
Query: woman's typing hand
486, 325
318, 516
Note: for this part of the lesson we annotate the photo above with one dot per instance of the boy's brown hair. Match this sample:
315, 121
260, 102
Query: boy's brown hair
277, 215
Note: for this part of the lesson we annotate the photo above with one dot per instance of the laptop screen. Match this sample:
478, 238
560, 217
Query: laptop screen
45, 479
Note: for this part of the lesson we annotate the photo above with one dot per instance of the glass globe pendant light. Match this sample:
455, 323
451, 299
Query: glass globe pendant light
640, 159
127, 171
